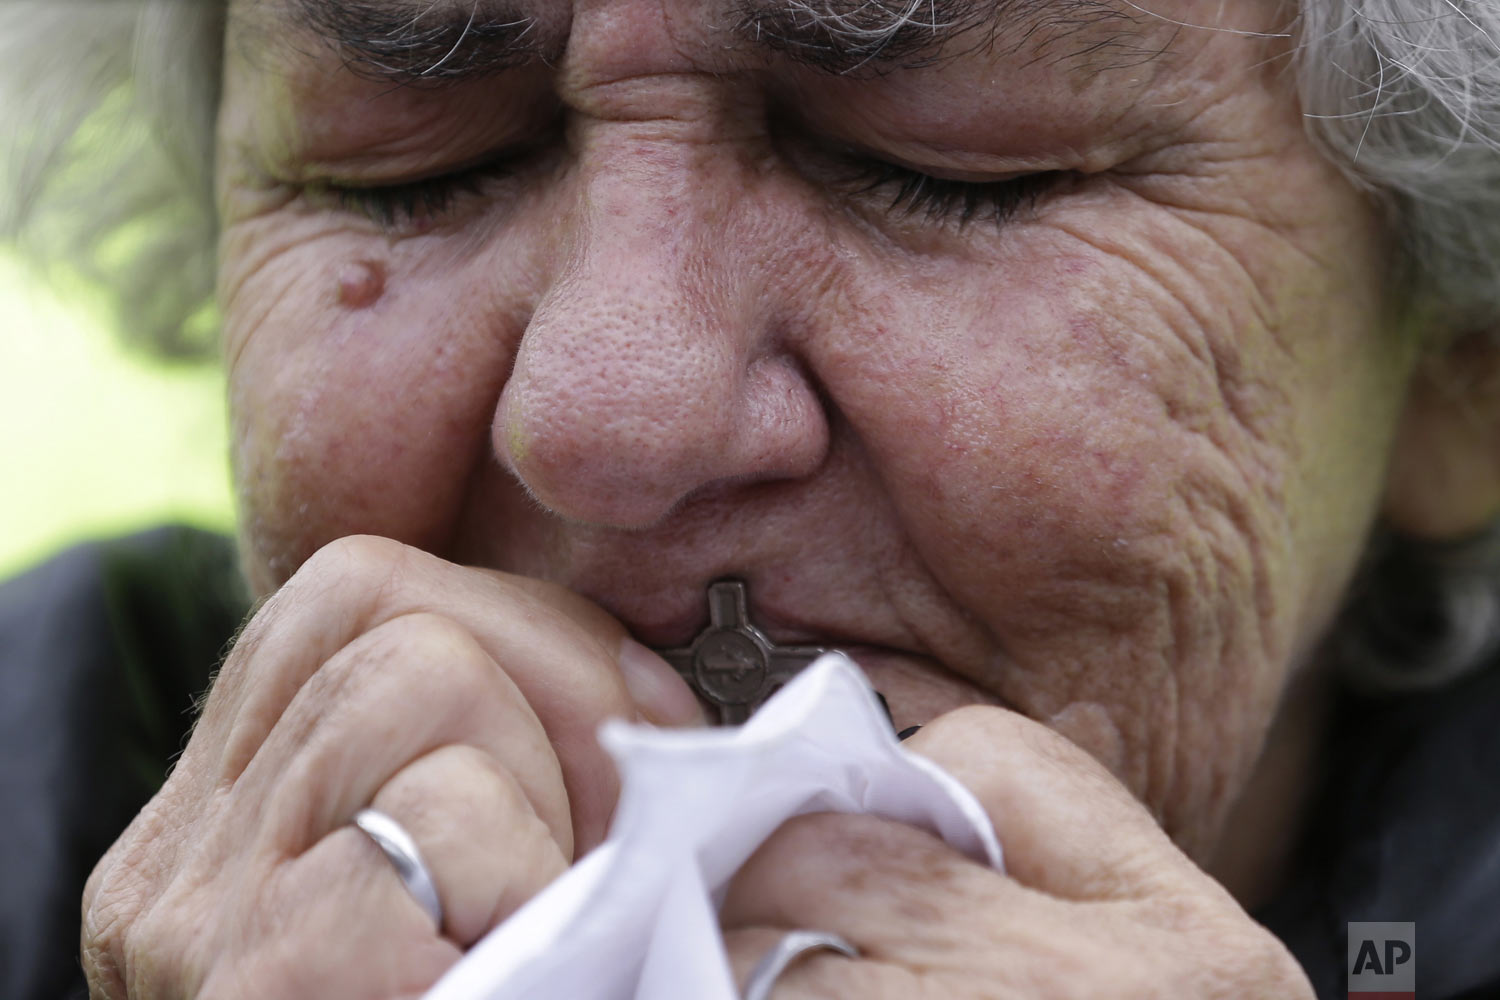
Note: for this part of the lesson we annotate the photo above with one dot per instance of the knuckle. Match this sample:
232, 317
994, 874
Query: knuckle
450, 657
140, 919
509, 795
117, 893
962, 728
355, 554
347, 579
422, 662
976, 731
362, 563
154, 948
131, 945
1001, 727
107, 912
421, 632
493, 793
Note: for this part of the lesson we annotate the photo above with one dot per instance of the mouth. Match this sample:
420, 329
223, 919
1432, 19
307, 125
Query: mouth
740, 606
918, 684
733, 665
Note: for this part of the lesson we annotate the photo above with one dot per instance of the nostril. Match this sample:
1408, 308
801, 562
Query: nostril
587, 456
628, 458
621, 473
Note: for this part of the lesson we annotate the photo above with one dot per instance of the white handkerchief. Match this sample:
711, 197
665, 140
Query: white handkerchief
637, 918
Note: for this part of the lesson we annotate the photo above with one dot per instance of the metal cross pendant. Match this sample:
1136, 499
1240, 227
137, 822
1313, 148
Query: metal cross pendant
731, 663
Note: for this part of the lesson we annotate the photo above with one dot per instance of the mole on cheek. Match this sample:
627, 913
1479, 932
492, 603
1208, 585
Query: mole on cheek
360, 284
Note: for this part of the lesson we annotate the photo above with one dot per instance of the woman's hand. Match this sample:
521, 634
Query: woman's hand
463, 703
1096, 900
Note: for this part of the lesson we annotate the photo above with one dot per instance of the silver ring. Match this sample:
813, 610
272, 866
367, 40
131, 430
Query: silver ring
783, 953
392, 838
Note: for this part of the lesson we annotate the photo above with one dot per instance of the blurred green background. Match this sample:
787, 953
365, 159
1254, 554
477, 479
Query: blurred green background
98, 440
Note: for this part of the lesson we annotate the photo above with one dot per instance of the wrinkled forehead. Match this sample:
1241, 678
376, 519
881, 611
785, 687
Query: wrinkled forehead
436, 41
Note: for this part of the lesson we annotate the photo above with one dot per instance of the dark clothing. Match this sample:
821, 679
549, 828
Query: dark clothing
1407, 829
104, 650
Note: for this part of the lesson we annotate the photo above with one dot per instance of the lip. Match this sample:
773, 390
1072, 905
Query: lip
873, 658
677, 629
916, 688
916, 685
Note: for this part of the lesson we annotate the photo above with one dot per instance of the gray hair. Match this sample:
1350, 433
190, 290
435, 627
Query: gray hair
109, 108
110, 105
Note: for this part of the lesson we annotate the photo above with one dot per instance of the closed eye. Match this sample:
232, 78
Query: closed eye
415, 204
908, 192
905, 192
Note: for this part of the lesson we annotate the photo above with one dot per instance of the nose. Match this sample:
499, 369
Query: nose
656, 365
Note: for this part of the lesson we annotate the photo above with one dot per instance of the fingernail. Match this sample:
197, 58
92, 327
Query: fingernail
662, 695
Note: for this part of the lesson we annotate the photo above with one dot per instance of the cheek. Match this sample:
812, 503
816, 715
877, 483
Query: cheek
1074, 484
1118, 458
361, 398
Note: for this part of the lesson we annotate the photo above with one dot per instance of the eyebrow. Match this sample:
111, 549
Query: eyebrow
436, 42
430, 41
847, 36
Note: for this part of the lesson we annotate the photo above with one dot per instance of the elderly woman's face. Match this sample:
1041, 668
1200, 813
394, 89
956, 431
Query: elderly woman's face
1090, 422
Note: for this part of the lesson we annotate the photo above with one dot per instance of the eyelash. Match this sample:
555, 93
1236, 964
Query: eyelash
940, 200
395, 206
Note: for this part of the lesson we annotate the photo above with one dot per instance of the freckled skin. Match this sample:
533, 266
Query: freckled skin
1111, 464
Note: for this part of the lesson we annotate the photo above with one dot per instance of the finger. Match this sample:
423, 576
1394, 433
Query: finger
333, 923
410, 686
926, 920
1067, 826
354, 585
487, 851
562, 651
889, 889
814, 973
363, 730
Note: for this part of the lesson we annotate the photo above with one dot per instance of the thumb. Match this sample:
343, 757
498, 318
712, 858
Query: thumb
1066, 825
663, 697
